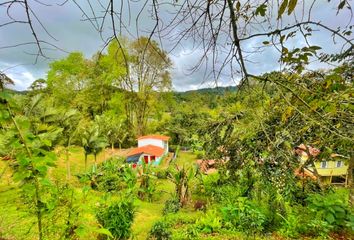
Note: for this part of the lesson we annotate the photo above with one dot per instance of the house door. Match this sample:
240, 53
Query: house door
152, 158
146, 159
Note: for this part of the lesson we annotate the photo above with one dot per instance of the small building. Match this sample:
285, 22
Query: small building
333, 170
151, 149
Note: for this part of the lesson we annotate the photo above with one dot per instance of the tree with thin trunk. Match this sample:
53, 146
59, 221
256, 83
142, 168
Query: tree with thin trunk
92, 142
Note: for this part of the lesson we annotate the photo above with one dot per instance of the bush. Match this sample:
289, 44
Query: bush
295, 221
113, 175
161, 173
210, 223
226, 193
244, 216
208, 184
160, 231
147, 186
171, 206
331, 208
117, 218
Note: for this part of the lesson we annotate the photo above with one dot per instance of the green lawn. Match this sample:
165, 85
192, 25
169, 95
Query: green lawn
186, 159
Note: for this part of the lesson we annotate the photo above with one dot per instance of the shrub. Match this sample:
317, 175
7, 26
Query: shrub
294, 223
171, 206
225, 194
160, 231
208, 185
161, 173
245, 216
112, 175
331, 208
182, 177
147, 186
117, 218
210, 223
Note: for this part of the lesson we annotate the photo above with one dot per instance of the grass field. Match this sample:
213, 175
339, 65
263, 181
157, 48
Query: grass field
17, 223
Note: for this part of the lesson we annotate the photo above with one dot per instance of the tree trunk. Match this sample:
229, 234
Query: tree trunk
95, 165
38, 209
85, 162
350, 180
112, 146
68, 172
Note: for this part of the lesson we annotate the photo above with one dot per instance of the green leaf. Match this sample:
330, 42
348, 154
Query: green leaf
315, 48
330, 218
266, 42
282, 8
292, 5
104, 231
341, 5
261, 10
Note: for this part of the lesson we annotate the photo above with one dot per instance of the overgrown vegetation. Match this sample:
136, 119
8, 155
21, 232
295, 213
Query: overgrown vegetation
262, 140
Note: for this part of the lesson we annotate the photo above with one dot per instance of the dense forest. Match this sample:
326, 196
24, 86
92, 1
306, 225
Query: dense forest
270, 157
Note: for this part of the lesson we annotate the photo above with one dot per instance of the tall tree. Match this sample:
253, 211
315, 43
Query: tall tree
148, 74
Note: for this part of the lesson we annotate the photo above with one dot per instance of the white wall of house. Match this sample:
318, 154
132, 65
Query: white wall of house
155, 142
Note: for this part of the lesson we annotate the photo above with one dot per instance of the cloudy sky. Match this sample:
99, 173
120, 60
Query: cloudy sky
68, 31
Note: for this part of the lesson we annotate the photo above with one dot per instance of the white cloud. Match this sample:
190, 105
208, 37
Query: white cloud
75, 35
21, 79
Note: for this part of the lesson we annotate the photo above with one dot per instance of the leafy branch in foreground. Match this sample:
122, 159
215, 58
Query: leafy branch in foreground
32, 157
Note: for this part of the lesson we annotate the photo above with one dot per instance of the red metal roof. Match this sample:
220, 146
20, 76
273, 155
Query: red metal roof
160, 137
148, 149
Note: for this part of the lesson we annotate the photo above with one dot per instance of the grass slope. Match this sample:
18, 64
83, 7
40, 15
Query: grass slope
17, 223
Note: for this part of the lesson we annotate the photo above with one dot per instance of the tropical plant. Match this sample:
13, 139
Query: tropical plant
331, 208
33, 158
172, 205
92, 142
182, 177
117, 218
160, 231
147, 183
210, 223
245, 216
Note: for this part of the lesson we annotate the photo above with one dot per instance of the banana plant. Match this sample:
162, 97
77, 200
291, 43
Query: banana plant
181, 177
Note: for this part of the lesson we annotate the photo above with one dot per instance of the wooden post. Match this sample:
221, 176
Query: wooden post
350, 180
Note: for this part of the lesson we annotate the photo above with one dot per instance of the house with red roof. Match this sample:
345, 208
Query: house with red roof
151, 149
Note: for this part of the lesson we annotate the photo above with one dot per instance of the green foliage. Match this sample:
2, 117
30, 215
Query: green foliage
172, 205
32, 151
331, 208
161, 173
93, 142
113, 176
245, 216
147, 186
294, 224
117, 218
160, 231
182, 177
210, 223
209, 185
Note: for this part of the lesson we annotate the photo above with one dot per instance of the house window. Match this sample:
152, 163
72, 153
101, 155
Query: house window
339, 164
324, 164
